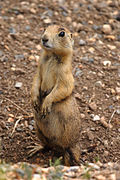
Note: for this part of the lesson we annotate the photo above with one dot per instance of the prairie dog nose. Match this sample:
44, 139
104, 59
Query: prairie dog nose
44, 39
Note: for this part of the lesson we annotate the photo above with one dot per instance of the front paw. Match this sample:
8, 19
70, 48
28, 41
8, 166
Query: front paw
46, 107
35, 104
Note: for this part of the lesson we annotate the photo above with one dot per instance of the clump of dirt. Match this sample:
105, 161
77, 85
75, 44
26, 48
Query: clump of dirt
96, 68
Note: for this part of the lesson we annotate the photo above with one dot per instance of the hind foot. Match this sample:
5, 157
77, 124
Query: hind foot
34, 149
72, 156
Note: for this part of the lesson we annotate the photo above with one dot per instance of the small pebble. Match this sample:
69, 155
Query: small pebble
94, 166
36, 177
68, 19
19, 129
95, 27
47, 21
118, 90
1, 53
106, 143
78, 72
1, 92
31, 58
50, 13
90, 135
30, 127
110, 37
4, 59
91, 60
99, 84
19, 56
111, 47
107, 63
82, 42
32, 122
106, 29
12, 30
93, 106
20, 16
118, 37
10, 119
106, 153
74, 24
82, 115
18, 85
85, 58
32, 10
118, 111
27, 28
38, 47
91, 50
96, 118
73, 168
2, 124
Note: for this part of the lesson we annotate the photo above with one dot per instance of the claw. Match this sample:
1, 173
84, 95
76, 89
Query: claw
36, 107
34, 149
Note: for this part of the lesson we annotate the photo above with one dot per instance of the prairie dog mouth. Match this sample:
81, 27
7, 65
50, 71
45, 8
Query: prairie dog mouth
46, 44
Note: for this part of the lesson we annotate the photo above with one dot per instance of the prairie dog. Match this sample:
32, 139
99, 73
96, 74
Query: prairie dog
57, 117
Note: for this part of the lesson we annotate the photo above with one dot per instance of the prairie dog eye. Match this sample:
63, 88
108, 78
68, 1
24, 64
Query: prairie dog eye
61, 34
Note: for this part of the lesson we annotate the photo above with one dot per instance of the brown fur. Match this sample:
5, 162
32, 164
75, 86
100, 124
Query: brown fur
56, 113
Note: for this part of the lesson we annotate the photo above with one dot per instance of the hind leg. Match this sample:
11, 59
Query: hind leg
37, 147
72, 156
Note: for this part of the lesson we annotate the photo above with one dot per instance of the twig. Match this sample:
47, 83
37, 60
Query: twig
16, 125
30, 116
112, 116
17, 106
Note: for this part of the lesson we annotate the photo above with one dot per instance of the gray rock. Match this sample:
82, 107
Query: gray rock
85, 58
73, 168
78, 72
32, 122
1, 53
19, 129
95, 27
82, 42
4, 59
91, 60
1, 92
118, 37
98, 84
118, 111
111, 107
19, 56
27, 28
30, 127
12, 30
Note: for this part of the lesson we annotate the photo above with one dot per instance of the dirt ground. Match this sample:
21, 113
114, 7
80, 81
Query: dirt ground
96, 68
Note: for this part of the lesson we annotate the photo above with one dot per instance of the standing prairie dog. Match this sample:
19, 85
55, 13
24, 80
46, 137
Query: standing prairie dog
57, 118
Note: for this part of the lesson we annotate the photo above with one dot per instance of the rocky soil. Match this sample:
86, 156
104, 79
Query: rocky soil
95, 25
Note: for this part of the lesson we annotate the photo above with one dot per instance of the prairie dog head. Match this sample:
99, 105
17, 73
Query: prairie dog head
57, 39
